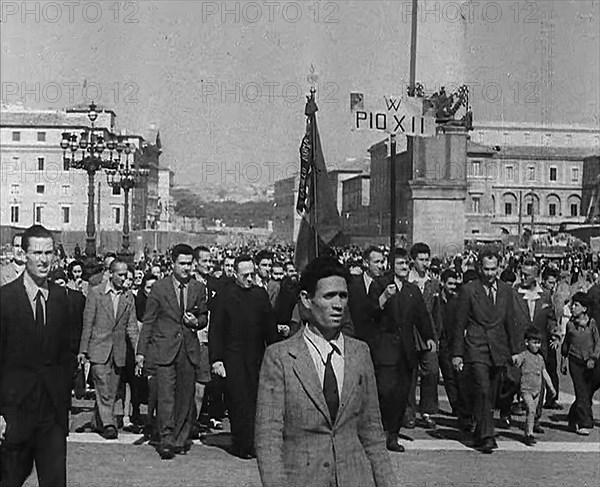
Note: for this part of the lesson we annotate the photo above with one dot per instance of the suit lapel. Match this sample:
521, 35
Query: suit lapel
306, 372
524, 306
122, 306
106, 301
350, 376
171, 296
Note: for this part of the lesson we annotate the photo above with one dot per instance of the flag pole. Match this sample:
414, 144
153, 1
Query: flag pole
314, 217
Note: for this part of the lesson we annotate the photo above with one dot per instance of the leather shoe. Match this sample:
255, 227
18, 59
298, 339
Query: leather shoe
529, 440
392, 444
505, 423
553, 405
538, 429
410, 423
182, 450
247, 454
110, 433
485, 445
427, 422
166, 453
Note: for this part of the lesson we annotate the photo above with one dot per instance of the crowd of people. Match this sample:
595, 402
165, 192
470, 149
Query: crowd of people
188, 333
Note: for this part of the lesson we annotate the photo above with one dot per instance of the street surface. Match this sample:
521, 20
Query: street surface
441, 458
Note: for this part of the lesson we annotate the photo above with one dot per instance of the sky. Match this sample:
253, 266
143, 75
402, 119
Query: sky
225, 82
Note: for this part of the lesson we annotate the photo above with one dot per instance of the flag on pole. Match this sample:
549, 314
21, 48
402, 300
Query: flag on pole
316, 194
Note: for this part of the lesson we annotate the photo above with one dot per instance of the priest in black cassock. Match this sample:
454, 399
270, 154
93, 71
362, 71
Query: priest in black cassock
242, 325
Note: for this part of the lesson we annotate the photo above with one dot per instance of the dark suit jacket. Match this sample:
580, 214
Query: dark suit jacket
30, 357
362, 308
544, 319
242, 325
104, 335
394, 338
484, 332
444, 318
297, 444
163, 326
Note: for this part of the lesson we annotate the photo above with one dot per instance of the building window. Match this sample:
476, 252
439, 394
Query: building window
40, 189
15, 189
66, 211
66, 190
531, 173
14, 214
16, 136
41, 136
477, 168
527, 136
116, 190
66, 164
508, 208
574, 209
529, 209
476, 204
510, 173
553, 174
38, 214
40, 164
552, 209
117, 215
574, 174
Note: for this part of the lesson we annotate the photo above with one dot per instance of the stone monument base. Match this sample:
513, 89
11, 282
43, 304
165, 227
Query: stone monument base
437, 215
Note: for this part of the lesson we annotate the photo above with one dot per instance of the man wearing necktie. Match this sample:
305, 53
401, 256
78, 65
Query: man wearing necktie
109, 319
484, 342
318, 420
35, 373
175, 311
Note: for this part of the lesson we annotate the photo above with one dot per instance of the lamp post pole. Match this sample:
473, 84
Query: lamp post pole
91, 142
126, 178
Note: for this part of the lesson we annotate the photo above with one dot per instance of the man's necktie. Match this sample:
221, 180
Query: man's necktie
39, 309
330, 387
491, 295
181, 298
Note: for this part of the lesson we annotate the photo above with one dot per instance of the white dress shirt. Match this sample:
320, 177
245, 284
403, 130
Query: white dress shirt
319, 350
31, 288
114, 296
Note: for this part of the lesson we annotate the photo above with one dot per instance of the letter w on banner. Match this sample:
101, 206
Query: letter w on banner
316, 204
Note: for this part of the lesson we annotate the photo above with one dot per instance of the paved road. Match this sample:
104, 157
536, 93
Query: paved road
441, 458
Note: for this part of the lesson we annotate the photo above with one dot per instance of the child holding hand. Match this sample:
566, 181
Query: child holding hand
533, 377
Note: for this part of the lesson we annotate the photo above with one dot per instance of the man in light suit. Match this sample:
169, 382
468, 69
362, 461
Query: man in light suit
317, 420
484, 342
108, 320
175, 311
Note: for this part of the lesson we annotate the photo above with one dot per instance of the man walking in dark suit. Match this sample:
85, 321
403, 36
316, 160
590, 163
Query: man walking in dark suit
242, 325
175, 311
35, 370
484, 341
317, 421
109, 319
401, 309
362, 308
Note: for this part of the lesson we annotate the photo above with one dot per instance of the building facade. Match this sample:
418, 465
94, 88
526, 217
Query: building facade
39, 187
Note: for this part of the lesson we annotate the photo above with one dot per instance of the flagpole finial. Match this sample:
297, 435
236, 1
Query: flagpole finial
312, 78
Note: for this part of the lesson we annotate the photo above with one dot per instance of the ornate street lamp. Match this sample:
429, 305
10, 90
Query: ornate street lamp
123, 176
90, 152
